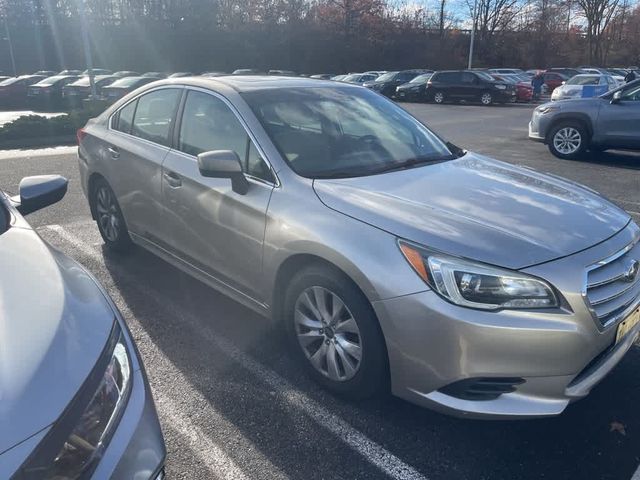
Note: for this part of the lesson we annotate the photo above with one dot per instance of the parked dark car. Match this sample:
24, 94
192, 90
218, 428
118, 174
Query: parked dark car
77, 91
323, 76
524, 90
98, 71
121, 87
155, 75
13, 91
554, 79
359, 78
283, 73
567, 72
415, 90
386, 84
48, 92
468, 85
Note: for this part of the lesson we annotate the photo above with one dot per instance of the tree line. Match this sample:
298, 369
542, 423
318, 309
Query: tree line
317, 36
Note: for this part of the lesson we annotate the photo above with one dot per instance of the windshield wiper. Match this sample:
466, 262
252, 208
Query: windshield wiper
412, 162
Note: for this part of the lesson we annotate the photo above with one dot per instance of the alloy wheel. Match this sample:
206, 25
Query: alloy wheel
107, 212
438, 97
486, 99
567, 140
328, 333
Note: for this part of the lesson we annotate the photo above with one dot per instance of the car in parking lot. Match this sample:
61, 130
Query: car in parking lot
359, 78
13, 91
123, 86
125, 73
583, 86
571, 127
391, 257
77, 91
386, 83
524, 90
415, 90
75, 399
49, 90
553, 80
468, 85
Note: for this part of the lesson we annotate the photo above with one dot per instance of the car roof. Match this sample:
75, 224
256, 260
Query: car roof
248, 83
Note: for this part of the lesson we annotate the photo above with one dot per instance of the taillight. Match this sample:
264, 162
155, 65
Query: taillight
80, 134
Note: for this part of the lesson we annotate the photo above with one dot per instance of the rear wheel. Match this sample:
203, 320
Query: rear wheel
334, 333
111, 224
568, 140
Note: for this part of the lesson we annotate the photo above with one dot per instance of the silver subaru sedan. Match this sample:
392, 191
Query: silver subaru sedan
392, 258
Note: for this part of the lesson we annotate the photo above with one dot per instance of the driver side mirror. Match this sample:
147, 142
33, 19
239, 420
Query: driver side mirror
617, 97
224, 164
35, 193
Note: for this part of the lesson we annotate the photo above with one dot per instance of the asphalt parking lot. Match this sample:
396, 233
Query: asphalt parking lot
233, 405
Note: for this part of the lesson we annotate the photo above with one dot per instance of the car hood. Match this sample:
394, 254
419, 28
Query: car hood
54, 323
479, 208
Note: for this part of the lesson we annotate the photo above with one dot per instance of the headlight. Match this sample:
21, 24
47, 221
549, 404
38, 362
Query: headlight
74, 445
544, 109
475, 285
501, 87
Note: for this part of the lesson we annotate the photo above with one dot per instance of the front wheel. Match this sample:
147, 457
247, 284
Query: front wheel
568, 141
486, 98
438, 97
335, 334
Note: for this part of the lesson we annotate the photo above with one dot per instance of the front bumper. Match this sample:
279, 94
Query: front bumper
561, 354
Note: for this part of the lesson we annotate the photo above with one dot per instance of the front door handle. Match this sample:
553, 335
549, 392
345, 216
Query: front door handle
115, 153
173, 179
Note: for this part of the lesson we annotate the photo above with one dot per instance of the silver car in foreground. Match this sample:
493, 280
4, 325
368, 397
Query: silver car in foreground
74, 399
392, 258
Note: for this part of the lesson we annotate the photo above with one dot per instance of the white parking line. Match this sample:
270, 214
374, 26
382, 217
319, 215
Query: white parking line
372, 451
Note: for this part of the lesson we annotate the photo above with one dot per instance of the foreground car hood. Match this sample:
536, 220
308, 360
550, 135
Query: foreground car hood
54, 323
479, 208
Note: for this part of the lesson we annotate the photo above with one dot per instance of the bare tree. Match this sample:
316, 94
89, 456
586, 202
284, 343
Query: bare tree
598, 14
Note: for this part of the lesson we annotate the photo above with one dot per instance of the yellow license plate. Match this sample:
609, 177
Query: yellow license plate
627, 324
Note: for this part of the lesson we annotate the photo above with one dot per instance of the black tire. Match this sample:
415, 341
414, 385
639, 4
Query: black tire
575, 143
372, 375
120, 241
438, 97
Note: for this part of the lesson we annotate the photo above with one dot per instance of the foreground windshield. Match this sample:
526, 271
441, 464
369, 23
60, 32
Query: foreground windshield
343, 132
584, 80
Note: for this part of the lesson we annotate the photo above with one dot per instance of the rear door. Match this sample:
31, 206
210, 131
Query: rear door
619, 123
137, 144
470, 86
207, 224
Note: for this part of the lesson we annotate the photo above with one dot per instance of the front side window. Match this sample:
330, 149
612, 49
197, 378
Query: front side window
208, 124
354, 133
632, 95
154, 115
469, 78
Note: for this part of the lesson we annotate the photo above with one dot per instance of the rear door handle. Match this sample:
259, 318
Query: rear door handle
115, 153
173, 179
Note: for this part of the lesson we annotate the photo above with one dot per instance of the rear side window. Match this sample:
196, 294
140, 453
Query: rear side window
154, 115
447, 77
125, 118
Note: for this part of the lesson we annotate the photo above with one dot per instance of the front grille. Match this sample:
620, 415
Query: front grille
613, 289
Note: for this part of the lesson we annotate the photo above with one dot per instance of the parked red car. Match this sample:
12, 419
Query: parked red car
524, 90
553, 80
13, 91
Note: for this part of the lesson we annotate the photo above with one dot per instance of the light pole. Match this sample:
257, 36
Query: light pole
13, 58
473, 33
87, 47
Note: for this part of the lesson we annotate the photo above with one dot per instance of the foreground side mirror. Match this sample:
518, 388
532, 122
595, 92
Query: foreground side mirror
38, 192
224, 164
617, 97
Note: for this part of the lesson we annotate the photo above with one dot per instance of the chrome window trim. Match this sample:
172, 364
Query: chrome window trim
600, 263
248, 131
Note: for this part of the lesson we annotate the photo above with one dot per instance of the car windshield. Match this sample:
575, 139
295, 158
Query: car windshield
484, 75
584, 80
125, 82
341, 132
351, 78
9, 81
386, 77
424, 78
50, 81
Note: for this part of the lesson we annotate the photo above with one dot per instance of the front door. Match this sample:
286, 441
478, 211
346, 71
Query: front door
207, 224
619, 123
